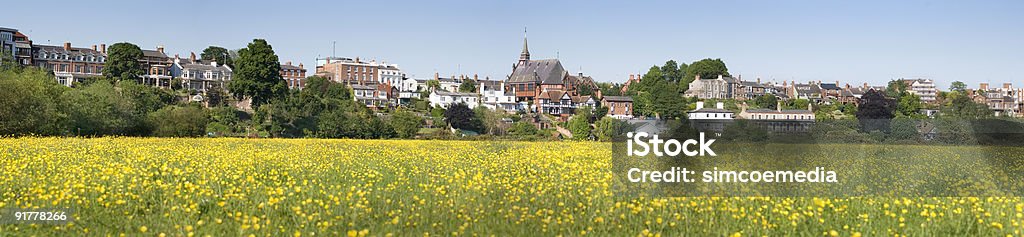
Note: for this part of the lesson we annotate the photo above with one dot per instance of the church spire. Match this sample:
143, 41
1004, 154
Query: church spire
525, 55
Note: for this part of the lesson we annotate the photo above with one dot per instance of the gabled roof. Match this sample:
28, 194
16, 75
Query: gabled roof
552, 95
291, 67
544, 71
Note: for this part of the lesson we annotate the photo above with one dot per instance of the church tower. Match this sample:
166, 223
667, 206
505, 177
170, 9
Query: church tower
525, 55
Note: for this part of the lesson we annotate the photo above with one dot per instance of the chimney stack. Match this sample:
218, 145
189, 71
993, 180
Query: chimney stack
300, 65
1007, 86
160, 48
720, 105
103, 48
67, 46
437, 76
192, 57
865, 85
758, 80
94, 47
983, 86
778, 106
289, 63
700, 105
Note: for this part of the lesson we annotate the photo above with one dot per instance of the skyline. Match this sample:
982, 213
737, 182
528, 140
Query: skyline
786, 41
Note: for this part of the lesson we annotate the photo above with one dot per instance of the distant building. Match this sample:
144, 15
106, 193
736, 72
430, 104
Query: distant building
922, 88
810, 91
1003, 101
157, 66
494, 96
17, 44
633, 80
779, 120
294, 76
445, 99
830, 91
531, 79
199, 76
374, 97
725, 87
556, 102
619, 107
357, 72
851, 95
710, 119
69, 64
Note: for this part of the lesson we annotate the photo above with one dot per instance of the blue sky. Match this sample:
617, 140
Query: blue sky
849, 41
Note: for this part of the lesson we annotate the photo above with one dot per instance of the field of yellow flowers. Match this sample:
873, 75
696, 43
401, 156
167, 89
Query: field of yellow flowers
308, 187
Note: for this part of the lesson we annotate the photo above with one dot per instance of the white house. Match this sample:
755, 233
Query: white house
445, 99
495, 96
201, 77
710, 119
370, 96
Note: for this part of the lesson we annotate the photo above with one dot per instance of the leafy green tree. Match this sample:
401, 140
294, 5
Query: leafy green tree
909, 105
705, 68
490, 121
459, 116
672, 72
903, 130
610, 89
579, 124
467, 86
123, 62
8, 63
895, 88
224, 120
958, 86
963, 107
406, 123
179, 121
607, 128
218, 54
258, 75
523, 129
434, 85
767, 101
29, 103
98, 109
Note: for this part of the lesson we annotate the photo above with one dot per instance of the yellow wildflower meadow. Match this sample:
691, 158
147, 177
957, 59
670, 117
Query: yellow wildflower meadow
309, 187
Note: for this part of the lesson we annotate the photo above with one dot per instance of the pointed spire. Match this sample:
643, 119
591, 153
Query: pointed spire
525, 55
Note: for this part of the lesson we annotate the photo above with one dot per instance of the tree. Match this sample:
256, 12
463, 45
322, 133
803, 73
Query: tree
258, 75
705, 68
218, 54
467, 86
767, 101
459, 116
579, 124
123, 62
98, 109
909, 105
895, 88
522, 129
7, 61
875, 111
962, 106
433, 85
179, 121
406, 123
958, 86
610, 89
672, 71
29, 103
607, 128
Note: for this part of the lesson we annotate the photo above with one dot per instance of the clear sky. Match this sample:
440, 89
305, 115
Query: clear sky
849, 41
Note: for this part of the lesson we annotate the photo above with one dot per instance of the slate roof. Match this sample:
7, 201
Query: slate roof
829, 86
153, 53
203, 67
619, 98
544, 71
292, 67
751, 84
785, 111
446, 93
710, 110
74, 52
